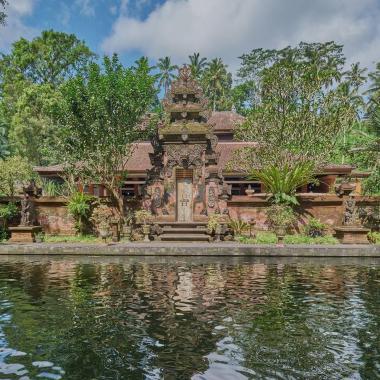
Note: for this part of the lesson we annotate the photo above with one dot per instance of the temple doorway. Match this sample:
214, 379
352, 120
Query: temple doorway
184, 195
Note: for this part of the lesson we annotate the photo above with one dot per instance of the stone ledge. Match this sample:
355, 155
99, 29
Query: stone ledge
191, 249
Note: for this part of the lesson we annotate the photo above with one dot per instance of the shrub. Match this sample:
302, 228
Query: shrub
238, 226
315, 228
80, 207
214, 220
8, 211
143, 216
52, 188
374, 237
102, 216
280, 215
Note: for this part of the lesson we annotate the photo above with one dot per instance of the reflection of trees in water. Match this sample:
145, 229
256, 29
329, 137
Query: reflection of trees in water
127, 321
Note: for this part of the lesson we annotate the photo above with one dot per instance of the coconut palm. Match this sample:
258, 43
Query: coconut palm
166, 73
217, 81
197, 65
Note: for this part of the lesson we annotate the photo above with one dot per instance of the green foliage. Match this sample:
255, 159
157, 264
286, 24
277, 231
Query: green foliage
166, 73
302, 239
374, 237
282, 180
238, 226
100, 118
30, 75
280, 215
214, 220
270, 238
33, 133
315, 228
143, 216
51, 188
50, 58
302, 100
8, 211
197, 65
71, 239
80, 207
217, 83
15, 173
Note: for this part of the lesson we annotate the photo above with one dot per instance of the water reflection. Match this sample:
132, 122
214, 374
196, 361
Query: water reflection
183, 319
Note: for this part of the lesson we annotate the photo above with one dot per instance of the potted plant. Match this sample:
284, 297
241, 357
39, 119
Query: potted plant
144, 217
280, 218
214, 225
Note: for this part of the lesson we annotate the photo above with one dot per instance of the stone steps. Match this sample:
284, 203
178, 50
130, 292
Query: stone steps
187, 231
184, 237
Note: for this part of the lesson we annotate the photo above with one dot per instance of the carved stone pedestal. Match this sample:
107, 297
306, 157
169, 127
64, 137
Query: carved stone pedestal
352, 234
24, 234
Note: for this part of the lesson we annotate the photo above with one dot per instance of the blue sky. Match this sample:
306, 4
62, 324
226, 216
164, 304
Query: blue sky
215, 28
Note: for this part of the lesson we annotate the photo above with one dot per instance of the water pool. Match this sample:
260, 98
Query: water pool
120, 318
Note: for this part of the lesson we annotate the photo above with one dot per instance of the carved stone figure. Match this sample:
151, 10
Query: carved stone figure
156, 200
211, 197
351, 216
26, 211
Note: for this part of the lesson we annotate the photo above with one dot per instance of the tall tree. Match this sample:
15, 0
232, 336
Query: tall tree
197, 65
3, 15
100, 117
217, 82
29, 78
302, 102
166, 73
49, 58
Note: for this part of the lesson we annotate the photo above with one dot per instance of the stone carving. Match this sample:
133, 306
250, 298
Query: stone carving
351, 215
156, 200
211, 197
225, 192
26, 211
185, 156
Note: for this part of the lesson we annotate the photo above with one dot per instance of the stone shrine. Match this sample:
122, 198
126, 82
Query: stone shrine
185, 183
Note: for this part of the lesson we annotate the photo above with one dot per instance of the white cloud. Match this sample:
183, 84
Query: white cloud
228, 28
86, 7
15, 27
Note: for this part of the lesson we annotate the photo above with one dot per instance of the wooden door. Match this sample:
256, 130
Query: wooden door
184, 200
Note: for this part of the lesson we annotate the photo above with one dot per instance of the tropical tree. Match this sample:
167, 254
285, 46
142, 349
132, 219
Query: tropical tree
15, 172
217, 82
33, 133
50, 58
197, 65
29, 79
302, 102
100, 117
166, 73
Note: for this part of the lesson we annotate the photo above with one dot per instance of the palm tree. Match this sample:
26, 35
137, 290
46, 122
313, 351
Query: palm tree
166, 75
197, 65
217, 81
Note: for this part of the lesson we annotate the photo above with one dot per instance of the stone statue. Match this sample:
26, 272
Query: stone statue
156, 200
350, 216
26, 211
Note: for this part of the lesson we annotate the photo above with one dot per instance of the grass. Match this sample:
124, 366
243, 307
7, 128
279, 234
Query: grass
71, 239
270, 238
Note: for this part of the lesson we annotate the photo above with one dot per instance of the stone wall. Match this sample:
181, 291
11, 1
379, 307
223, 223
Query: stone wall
326, 207
52, 212
52, 215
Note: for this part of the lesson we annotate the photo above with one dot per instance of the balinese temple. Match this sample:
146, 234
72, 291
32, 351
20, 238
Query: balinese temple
182, 174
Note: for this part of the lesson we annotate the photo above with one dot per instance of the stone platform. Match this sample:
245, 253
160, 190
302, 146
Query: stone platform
24, 234
352, 234
190, 250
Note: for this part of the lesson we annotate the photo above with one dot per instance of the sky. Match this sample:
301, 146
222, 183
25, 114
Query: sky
215, 28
